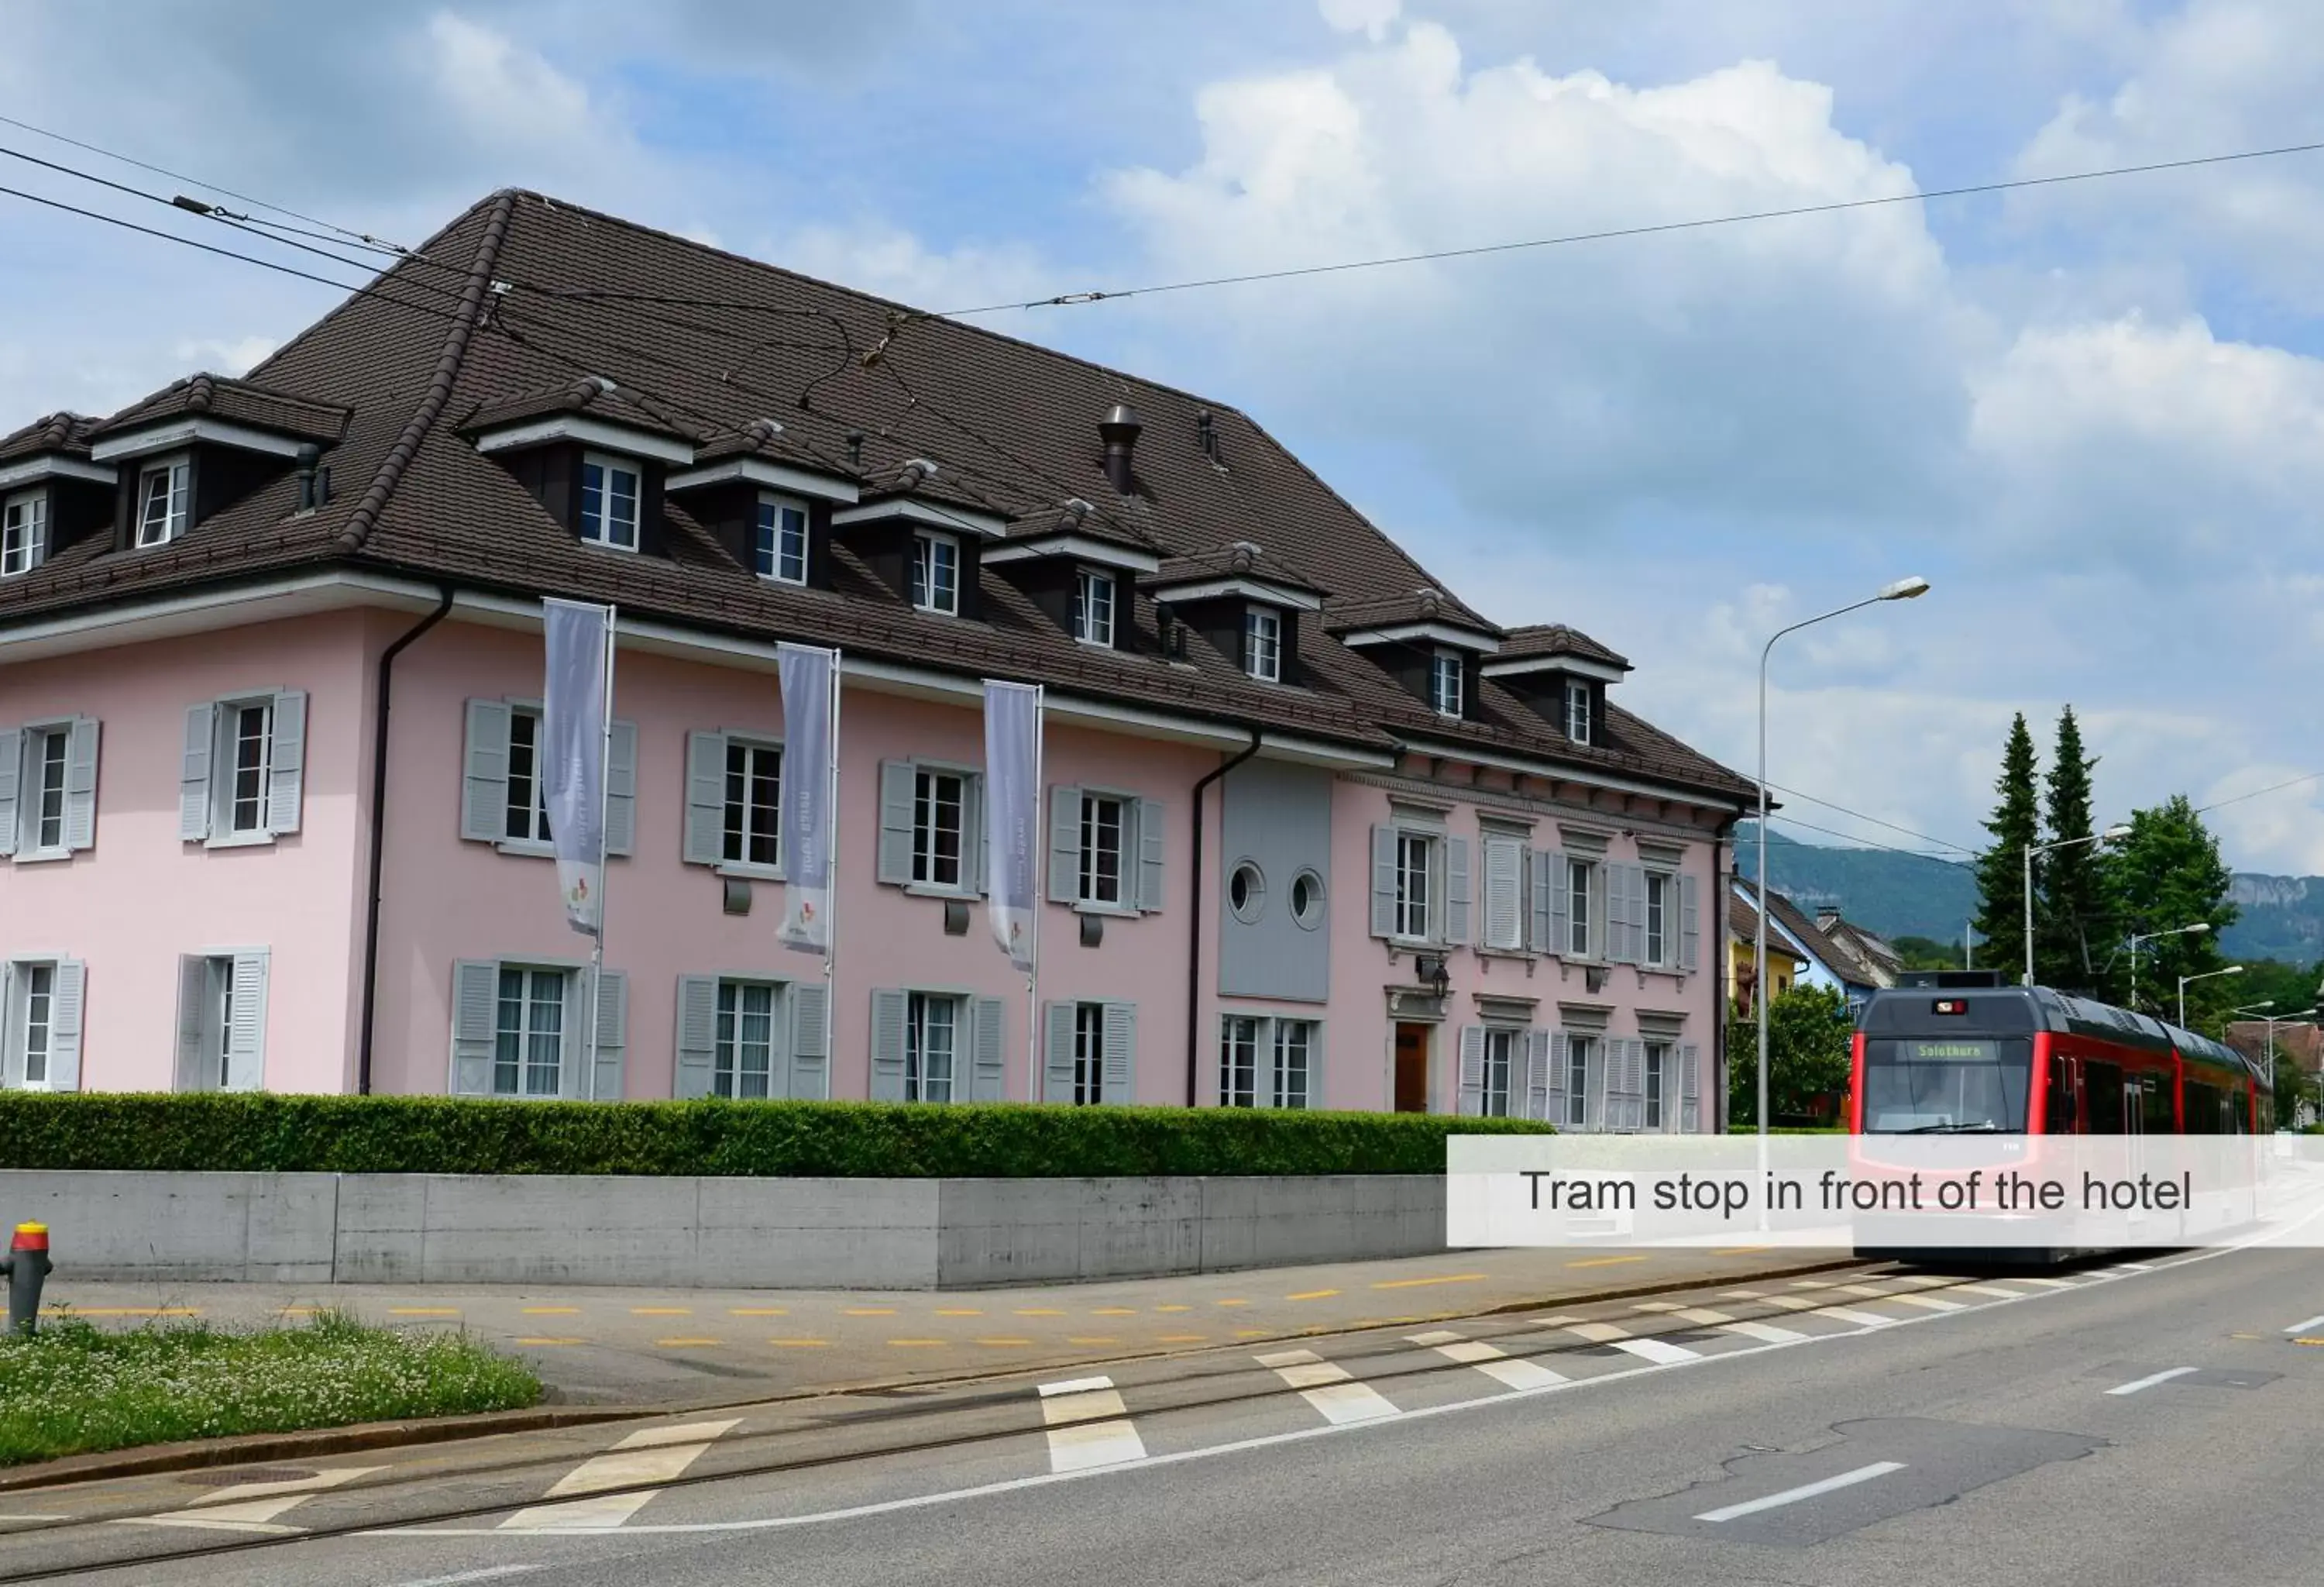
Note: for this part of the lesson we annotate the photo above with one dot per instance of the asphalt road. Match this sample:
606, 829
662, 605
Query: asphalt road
2156, 1424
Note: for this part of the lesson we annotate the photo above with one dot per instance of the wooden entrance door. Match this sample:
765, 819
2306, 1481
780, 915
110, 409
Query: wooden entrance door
1411, 1068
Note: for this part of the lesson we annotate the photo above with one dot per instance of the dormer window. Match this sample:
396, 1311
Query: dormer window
1093, 607
1262, 643
1444, 680
162, 501
1579, 724
610, 495
781, 544
935, 573
23, 532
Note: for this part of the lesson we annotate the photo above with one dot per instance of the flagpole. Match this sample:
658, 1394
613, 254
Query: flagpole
1041, 855
605, 806
831, 893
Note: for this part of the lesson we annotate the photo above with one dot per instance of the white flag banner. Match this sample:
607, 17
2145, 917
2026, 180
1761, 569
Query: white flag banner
810, 745
1012, 814
572, 763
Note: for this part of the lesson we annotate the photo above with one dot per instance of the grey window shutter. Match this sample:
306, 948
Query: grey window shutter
193, 1021
1555, 1093
976, 836
12, 1061
1150, 838
1065, 844
1561, 905
1121, 1083
1473, 1070
285, 779
1383, 881
194, 774
1315, 1063
1057, 1052
1536, 1079
475, 1016
1456, 891
572, 1084
988, 1025
613, 1034
698, 1037
1689, 1111
1537, 899
895, 862
11, 768
1619, 949
622, 789
80, 786
246, 1068
65, 1010
704, 842
1504, 920
811, 1042
889, 1011
1690, 926
1598, 914
484, 775
1593, 1090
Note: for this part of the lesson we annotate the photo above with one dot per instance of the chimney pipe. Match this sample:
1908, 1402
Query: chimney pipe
310, 456
1120, 427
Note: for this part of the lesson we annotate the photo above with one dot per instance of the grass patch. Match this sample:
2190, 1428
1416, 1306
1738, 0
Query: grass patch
74, 1389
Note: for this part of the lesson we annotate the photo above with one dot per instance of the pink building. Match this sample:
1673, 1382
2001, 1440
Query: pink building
1319, 835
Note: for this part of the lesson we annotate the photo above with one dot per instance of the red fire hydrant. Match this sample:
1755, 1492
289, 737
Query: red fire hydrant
26, 1268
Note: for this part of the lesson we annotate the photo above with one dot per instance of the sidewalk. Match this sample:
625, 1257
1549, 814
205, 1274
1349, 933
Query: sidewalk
676, 1348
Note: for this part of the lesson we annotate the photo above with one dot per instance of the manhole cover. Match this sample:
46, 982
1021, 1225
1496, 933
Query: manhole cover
227, 1479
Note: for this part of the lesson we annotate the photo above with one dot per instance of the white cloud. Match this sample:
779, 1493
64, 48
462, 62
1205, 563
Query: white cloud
224, 357
1368, 17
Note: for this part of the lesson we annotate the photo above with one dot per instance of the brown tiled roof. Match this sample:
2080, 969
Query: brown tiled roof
683, 331
1243, 558
1554, 639
1424, 605
1788, 915
591, 395
239, 401
51, 435
1743, 925
1077, 516
778, 442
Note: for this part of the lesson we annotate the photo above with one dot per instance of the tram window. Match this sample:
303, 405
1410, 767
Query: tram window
2239, 1111
2102, 1092
2058, 1110
2158, 1115
2206, 1109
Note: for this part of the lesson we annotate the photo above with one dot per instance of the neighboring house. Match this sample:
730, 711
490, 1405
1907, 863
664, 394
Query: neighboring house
1824, 962
1784, 963
270, 665
1875, 956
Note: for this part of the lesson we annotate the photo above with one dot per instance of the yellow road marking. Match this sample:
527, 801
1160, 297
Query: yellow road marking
551, 1311
1097, 1339
1425, 1283
1004, 1342
544, 1342
1313, 1295
1178, 1339
1230, 1303
299, 1311
798, 1344
393, 1311
682, 1343
1114, 1312
1604, 1261
1174, 1308
1039, 1312
2308, 1342
960, 1311
661, 1311
1250, 1333
757, 1311
871, 1310
1742, 1250
914, 1343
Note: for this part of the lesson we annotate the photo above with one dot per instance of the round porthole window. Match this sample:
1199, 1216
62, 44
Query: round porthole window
1245, 892
1307, 900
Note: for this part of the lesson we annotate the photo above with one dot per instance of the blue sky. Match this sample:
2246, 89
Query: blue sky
2093, 415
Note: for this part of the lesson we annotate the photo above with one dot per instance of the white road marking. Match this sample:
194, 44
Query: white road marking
1992, 1289
1742, 1295
2151, 1380
650, 1455
1088, 1424
1702, 1315
2309, 1326
1659, 1350
488, 1573
1811, 1284
1329, 1389
2044, 1283
1869, 1291
1655, 1305
1931, 1303
1752, 1506
1793, 1302
2131, 1268
1597, 1333
1488, 1359
1850, 1314
252, 1507
1766, 1333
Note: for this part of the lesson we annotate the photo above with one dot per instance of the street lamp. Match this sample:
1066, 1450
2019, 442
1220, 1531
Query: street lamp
1903, 589
2111, 834
2196, 930
2257, 1011
2185, 979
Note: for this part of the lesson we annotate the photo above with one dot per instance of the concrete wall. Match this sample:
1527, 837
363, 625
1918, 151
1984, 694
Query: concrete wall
710, 1232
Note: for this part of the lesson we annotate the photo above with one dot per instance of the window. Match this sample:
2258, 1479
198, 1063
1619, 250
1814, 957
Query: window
1505, 882
745, 1065
1103, 821
1579, 1051
1262, 643
1093, 607
939, 805
23, 534
1577, 712
1295, 1062
1657, 1071
528, 1038
1444, 683
931, 1044
781, 547
222, 1021
527, 791
36, 1024
1089, 1054
41, 793
249, 743
1415, 859
1658, 936
1500, 1063
162, 502
935, 573
1580, 881
1247, 892
1307, 900
609, 502
1238, 1061
755, 774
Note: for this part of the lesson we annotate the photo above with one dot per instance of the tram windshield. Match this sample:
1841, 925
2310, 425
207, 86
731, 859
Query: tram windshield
1917, 1085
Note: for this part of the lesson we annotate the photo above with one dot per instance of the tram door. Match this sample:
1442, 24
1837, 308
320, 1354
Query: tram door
2134, 1089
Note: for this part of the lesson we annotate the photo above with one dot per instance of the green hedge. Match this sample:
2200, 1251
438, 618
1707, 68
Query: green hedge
442, 1135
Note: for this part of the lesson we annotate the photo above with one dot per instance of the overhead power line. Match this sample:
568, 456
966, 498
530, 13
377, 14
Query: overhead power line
2271, 788
1070, 300
1875, 820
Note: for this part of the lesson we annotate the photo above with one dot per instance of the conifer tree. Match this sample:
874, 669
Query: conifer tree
2167, 874
2015, 826
2070, 908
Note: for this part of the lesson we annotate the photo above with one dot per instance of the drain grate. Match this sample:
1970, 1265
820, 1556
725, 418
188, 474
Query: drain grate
228, 1477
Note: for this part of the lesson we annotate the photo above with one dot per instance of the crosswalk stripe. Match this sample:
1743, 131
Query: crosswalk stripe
1850, 1314
649, 1455
1930, 1303
1661, 1351
1329, 1389
2044, 1283
1870, 1291
1088, 1424
1992, 1289
1793, 1302
1702, 1315
1597, 1333
253, 1506
1489, 1359
1766, 1333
